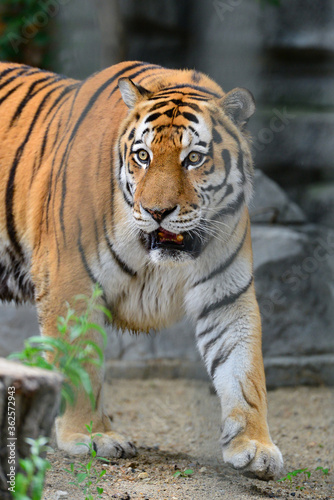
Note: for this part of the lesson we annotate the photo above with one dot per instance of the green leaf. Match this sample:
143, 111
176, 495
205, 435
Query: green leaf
27, 466
104, 310
89, 427
324, 471
81, 477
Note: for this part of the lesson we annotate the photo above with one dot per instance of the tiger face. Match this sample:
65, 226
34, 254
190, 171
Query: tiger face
182, 168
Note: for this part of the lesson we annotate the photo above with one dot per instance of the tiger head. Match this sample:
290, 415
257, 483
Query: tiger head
184, 164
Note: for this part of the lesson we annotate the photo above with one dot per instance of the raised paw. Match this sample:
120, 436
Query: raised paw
260, 458
106, 444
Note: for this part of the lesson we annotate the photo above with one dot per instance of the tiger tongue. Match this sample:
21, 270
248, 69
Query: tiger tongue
164, 235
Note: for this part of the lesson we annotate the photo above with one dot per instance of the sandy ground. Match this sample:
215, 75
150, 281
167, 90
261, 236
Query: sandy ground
175, 425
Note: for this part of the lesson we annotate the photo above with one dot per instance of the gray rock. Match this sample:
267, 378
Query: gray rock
318, 200
303, 24
294, 147
271, 204
16, 324
294, 279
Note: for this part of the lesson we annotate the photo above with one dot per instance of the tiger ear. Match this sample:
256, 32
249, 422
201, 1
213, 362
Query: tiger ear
239, 105
132, 92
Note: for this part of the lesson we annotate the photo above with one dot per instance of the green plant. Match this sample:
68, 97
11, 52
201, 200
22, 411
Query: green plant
29, 483
324, 471
185, 473
86, 478
295, 473
72, 351
306, 472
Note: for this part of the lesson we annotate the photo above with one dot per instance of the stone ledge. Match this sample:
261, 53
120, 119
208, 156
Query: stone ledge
280, 371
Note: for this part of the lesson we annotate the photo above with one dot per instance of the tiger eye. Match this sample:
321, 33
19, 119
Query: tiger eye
142, 155
194, 157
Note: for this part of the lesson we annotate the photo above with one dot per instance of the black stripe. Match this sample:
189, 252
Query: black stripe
11, 79
132, 134
211, 342
213, 188
226, 156
220, 359
100, 152
227, 263
29, 95
206, 331
190, 116
190, 105
225, 301
83, 257
159, 105
233, 208
240, 166
64, 92
153, 117
163, 94
125, 268
201, 99
10, 92
10, 183
194, 87
231, 132
45, 137
121, 166
229, 190
112, 188
217, 138
212, 168
10, 70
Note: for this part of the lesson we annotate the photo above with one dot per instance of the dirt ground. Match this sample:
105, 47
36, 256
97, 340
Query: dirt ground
175, 425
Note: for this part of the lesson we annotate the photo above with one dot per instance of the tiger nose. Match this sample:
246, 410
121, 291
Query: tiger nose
159, 214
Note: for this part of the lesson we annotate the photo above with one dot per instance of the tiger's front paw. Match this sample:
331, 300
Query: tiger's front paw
260, 458
106, 444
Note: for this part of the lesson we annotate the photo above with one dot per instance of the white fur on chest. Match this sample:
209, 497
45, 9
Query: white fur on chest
154, 298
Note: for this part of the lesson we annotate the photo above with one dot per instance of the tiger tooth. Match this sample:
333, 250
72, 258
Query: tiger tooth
179, 237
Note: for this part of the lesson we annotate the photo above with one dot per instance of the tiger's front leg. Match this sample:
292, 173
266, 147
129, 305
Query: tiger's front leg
228, 334
230, 343
71, 428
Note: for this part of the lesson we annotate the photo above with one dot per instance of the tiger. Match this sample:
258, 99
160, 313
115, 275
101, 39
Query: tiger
138, 180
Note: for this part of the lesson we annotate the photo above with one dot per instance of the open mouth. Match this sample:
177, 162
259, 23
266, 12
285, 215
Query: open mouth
172, 243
